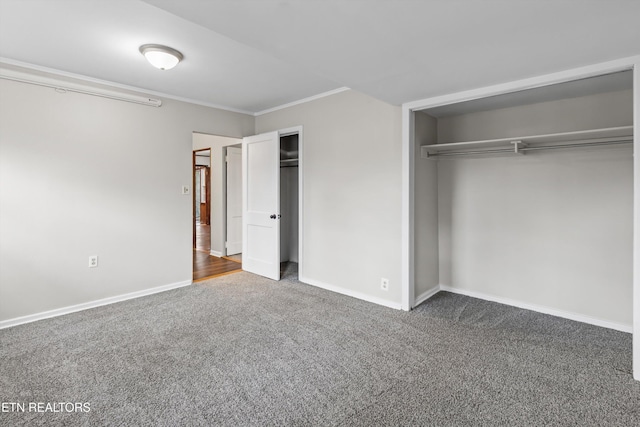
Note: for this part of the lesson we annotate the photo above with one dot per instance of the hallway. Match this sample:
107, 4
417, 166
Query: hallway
206, 265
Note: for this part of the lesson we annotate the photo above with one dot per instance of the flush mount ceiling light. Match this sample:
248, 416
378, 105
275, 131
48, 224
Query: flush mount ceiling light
161, 57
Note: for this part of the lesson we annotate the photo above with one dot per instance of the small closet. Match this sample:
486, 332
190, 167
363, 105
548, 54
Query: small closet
527, 198
289, 179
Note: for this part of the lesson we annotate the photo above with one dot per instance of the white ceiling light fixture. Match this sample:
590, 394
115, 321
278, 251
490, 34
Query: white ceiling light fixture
162, 57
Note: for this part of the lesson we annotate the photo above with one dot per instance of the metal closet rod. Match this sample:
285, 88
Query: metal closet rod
542, 147
287, 163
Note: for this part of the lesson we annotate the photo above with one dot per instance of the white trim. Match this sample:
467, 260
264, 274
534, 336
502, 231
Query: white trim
425, 296
290, 131
636, 221
60, 73
350, 293
217, 254
541, 309
301, 162
524, 84
407, 252
92, 304
302, 101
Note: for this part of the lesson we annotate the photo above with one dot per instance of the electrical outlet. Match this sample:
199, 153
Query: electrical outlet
93, 261
384, 284
186, 189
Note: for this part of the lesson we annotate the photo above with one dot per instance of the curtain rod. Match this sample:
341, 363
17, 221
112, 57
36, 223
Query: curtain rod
152, 102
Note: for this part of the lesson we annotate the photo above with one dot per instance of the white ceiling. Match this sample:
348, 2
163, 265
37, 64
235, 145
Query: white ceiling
249, 55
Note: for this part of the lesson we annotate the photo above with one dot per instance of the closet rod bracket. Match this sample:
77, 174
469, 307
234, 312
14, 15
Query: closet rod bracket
517, 145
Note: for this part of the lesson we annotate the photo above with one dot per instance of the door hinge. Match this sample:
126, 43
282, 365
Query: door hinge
226, 244
226, 159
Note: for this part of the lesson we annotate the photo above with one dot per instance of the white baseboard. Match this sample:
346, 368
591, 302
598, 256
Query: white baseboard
425, 296
92, 304
216, 254
542, 309
349, 292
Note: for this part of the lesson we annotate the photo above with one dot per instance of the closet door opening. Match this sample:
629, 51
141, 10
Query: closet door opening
527, 197
289, 204
272, 203
534, 196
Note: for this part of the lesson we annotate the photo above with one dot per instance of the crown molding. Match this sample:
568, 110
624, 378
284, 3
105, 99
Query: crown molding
302, 101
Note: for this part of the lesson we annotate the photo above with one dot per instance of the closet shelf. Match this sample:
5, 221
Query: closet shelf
521, 144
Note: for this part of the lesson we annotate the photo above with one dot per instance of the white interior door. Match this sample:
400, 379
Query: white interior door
261, 204
234, 200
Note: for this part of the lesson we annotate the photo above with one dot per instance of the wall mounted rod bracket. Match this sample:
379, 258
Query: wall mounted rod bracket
517, 147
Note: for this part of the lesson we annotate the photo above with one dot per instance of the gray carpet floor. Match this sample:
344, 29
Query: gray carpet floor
243, 350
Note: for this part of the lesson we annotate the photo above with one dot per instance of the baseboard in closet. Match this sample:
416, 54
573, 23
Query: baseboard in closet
541, 309
425, 296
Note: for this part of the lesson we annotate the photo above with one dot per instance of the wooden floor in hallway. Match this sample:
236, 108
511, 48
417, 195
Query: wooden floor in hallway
206, 265
203, 237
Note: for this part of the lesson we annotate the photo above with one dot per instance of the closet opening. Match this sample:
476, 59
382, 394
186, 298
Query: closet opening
272, 220
553, 230
289, 203
526, 198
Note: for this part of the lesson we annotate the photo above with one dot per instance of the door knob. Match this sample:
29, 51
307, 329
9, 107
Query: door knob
273, 216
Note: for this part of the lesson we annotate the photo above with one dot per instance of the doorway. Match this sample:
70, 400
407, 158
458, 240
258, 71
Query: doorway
272, 228
289, 203
411, 151
202, 200
205, 265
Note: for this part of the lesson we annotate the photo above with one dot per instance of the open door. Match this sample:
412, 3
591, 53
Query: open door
261, 204
234, 200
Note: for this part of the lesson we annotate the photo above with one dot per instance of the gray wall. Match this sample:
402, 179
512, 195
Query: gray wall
74, 184
587, 112
552, 229
352, 191
426, 209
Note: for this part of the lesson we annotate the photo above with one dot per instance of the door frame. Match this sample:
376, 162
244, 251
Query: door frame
408, 173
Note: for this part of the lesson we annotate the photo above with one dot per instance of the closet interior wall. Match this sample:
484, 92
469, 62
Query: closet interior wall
549, 229
289, 198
